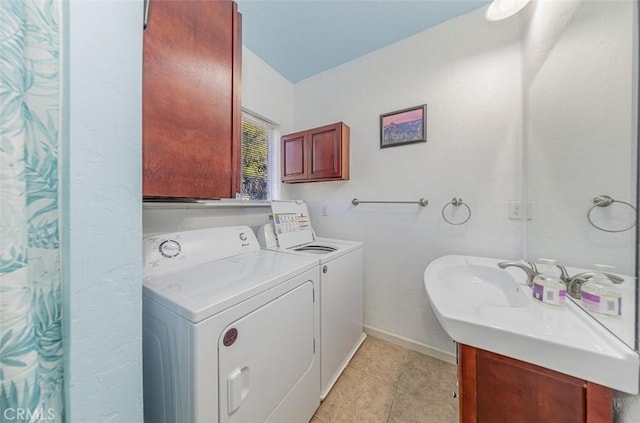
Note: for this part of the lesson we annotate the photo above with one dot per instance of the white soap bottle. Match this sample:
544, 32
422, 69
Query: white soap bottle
600, 295
547, 286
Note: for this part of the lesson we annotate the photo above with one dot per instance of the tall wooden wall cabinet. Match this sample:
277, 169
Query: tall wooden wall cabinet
191, 99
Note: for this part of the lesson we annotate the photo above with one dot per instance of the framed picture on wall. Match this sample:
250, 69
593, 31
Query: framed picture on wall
406, 126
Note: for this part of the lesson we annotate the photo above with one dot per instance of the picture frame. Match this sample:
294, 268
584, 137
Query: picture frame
406, 126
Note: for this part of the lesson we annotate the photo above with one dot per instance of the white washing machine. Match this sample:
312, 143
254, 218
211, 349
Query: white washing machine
341, 282
230, 331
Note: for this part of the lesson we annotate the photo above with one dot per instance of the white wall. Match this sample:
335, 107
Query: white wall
581, 141
468, 71
165, 218
266, 92
102, 219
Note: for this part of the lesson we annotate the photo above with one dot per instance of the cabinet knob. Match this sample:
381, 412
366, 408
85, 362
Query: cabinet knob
325, 269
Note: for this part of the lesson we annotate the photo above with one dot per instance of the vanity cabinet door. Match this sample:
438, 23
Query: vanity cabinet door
318, 154
495, 388
191, 99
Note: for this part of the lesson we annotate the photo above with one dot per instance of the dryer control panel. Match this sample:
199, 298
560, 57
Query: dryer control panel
173, 251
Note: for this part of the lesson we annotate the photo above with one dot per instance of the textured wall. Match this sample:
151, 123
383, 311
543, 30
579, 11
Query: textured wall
467, 70
102, 211
581, 142
159, 218
266, 92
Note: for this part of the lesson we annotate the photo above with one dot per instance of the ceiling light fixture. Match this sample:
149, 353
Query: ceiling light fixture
502, 9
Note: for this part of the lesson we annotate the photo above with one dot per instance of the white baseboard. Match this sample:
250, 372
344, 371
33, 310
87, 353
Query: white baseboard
411, 344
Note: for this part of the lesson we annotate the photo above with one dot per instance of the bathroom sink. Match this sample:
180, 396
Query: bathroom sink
481, 305
474, 283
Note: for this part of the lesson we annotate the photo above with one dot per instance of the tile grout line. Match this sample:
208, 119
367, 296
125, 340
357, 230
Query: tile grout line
393, 401
397, 386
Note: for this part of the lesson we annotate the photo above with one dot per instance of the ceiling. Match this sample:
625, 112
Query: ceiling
301, 38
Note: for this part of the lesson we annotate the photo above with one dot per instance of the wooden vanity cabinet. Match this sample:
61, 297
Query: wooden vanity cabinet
318, 154
495, 388
191, 99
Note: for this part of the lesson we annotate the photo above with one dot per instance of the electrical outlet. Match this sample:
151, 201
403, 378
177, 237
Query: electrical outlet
515, 210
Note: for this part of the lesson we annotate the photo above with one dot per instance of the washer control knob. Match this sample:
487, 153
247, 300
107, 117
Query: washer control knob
169, 248
325, 269
243, 236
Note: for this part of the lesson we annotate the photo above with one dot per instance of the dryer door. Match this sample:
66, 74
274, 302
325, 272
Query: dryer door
264, 354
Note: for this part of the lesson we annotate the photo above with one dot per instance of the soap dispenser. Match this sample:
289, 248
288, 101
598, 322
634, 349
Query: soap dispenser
600, 295
547, 286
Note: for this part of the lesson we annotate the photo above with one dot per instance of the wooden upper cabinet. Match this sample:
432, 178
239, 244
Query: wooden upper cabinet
495, 388
294, 157
191, 99
318, 154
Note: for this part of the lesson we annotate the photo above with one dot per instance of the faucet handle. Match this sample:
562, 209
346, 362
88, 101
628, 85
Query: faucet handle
614, 278
564, 275
605, 269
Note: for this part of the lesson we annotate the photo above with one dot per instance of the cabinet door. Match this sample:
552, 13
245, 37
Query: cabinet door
294, 157
326, 152
497, 388
513, 389
191, 110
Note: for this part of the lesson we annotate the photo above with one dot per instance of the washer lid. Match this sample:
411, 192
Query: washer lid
201, 291
326, 249
291, 223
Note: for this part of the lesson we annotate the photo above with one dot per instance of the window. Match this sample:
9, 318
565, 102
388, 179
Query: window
259, 158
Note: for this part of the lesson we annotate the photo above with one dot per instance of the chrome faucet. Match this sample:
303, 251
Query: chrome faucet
529, 268
574, 283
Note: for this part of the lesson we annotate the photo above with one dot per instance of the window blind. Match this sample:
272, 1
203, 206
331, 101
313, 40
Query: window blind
260, 158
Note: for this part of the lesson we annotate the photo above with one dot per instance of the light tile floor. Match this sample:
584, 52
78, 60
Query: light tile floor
386, 383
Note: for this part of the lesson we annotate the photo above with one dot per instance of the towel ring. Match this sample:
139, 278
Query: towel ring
606, 201
456, 202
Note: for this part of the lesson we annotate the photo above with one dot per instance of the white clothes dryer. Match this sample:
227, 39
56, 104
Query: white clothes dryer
341, 284
229, 330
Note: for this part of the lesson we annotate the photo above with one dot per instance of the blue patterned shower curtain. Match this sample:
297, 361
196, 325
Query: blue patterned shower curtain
31, 354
